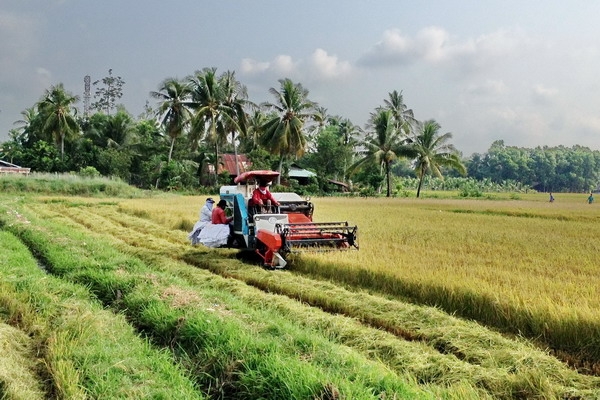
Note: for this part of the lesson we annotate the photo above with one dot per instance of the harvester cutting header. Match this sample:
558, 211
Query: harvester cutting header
275, 224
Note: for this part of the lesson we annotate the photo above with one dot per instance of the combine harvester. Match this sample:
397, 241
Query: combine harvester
273, 232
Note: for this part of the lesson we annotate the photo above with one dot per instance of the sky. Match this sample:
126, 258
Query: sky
525, 72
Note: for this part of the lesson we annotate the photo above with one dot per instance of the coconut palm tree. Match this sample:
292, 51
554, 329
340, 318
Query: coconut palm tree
434, 152
403, 116
29, 115
348, 132
383, 145
208, 96
120, 130
174, 110
283, 133
236, 100
58, 114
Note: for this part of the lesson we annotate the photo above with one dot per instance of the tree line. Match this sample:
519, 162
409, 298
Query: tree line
174, 142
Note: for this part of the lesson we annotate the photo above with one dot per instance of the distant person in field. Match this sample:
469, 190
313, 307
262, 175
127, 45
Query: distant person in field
551, 198
218, 214
591, 198
262, 196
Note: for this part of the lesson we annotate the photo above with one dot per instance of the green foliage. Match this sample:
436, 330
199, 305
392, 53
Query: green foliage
210, 112
108, 91
68, 184
89, 172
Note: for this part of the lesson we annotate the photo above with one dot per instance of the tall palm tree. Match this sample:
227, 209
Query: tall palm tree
58, 113
434, 152
208, 97
403, 116
256, 119
283, 134
174, 108
348, 132
235, 100
383, 145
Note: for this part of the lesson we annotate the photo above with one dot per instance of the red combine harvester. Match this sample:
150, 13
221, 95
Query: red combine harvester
272, 231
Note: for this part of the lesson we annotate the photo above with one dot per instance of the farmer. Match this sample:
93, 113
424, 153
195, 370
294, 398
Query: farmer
205, 217
262, 197
218, 214
551, 198
591, 198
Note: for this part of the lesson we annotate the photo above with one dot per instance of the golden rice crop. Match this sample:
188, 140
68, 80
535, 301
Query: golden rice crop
530, 252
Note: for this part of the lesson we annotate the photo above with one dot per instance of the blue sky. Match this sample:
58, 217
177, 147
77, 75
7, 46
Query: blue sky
525, 72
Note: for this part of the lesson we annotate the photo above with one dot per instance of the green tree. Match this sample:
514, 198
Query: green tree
120, 130
236, 100
109, 93
174, 109
434, 152
58, 114
283, 133
347, 135
403, 116
210, 111
383, 145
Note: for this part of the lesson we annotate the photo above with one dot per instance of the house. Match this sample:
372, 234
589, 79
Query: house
300, 174
227, 163
8, 168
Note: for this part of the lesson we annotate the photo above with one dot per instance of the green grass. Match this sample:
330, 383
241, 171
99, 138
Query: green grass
86, 351
67, 184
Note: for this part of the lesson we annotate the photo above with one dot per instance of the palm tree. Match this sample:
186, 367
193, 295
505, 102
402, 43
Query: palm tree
403, 116
256, 119
384, 145
433, 152
29, 115
120, 130
174, 108
347, 132
236, 99
283, 134
58, 114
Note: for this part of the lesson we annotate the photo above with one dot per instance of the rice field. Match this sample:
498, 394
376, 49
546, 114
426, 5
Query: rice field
446, 298
523, 266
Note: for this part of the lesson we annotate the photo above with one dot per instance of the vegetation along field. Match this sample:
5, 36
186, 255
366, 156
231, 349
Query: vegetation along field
103, 297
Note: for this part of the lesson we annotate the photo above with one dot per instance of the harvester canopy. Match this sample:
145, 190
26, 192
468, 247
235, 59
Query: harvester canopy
258, 175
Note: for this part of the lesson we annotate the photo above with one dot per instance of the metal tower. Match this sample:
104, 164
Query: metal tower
86, 97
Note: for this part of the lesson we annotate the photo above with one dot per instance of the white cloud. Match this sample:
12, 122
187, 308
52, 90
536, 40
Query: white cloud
543, 95
394, 48
434, 45
329, 67
250, 66
282, 65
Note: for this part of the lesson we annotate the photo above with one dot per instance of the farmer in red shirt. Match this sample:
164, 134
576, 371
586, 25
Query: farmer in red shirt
218, 214
262, 196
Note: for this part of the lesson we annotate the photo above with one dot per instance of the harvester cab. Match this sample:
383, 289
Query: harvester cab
273, 231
